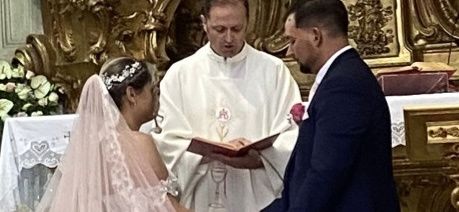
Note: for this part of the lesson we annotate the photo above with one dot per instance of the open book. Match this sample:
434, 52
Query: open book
419, 67
206, 147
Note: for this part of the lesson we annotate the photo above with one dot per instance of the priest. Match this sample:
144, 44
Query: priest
227, 90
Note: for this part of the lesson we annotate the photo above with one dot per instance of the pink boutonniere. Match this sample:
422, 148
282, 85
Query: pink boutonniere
297, 112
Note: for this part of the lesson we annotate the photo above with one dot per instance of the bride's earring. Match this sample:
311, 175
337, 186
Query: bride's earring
157, 128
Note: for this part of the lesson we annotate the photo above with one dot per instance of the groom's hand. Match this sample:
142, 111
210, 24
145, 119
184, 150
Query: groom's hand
251, 160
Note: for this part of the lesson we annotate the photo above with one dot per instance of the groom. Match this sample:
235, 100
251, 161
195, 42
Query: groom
342, 159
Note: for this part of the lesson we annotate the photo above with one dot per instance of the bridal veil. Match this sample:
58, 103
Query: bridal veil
101, 170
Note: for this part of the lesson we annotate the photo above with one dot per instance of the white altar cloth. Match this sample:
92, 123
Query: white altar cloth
26, 142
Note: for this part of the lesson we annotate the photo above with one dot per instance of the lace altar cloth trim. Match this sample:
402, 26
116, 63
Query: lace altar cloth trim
39, 153
398, 134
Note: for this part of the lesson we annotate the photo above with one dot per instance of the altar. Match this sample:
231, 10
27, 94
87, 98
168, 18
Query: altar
398, 103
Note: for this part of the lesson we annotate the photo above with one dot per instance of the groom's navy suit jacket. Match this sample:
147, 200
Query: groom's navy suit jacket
342, 159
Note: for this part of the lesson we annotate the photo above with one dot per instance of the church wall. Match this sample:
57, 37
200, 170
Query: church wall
18, 18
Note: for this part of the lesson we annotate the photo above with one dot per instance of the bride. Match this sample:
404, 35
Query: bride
108, 164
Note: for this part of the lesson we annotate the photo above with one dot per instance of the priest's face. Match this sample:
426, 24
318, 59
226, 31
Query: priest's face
226, 28
302, 46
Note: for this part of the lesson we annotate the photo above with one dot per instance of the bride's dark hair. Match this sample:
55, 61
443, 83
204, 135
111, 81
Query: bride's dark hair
118, 70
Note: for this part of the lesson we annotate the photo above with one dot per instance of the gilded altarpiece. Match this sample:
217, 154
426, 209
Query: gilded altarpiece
80, 35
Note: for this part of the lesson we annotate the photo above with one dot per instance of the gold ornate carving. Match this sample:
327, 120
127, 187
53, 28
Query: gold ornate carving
442, 132
270, 15
435, 163
447, 12
186, 33
82, 34
417, 121
455, 192
36, 55
376, 31
423, 190
433, 22
452, 153
372, 34
62, 31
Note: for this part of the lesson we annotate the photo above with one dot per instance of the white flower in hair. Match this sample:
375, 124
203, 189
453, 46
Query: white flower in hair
128, 71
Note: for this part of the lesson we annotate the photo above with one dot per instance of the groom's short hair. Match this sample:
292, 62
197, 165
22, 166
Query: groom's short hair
329, 14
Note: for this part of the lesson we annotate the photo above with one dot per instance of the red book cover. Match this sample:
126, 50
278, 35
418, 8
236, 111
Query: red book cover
412, 84
418, 78
206, 147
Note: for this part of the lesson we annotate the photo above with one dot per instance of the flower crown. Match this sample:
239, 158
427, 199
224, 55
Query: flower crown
128, 71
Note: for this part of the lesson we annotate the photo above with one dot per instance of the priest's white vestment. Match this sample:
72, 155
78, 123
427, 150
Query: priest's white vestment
249, 95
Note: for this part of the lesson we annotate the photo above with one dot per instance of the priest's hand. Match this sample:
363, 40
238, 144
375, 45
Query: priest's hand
251, 160
239, 142
235, 144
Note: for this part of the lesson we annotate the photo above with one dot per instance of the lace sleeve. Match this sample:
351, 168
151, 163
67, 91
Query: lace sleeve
139, 199
170, 185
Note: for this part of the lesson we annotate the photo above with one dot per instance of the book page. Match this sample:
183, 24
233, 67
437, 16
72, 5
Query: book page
419, 67
434, 67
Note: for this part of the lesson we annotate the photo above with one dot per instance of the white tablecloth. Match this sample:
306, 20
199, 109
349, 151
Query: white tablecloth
398, 103
26, 142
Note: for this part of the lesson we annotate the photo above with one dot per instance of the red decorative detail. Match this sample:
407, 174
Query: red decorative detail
297, 112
